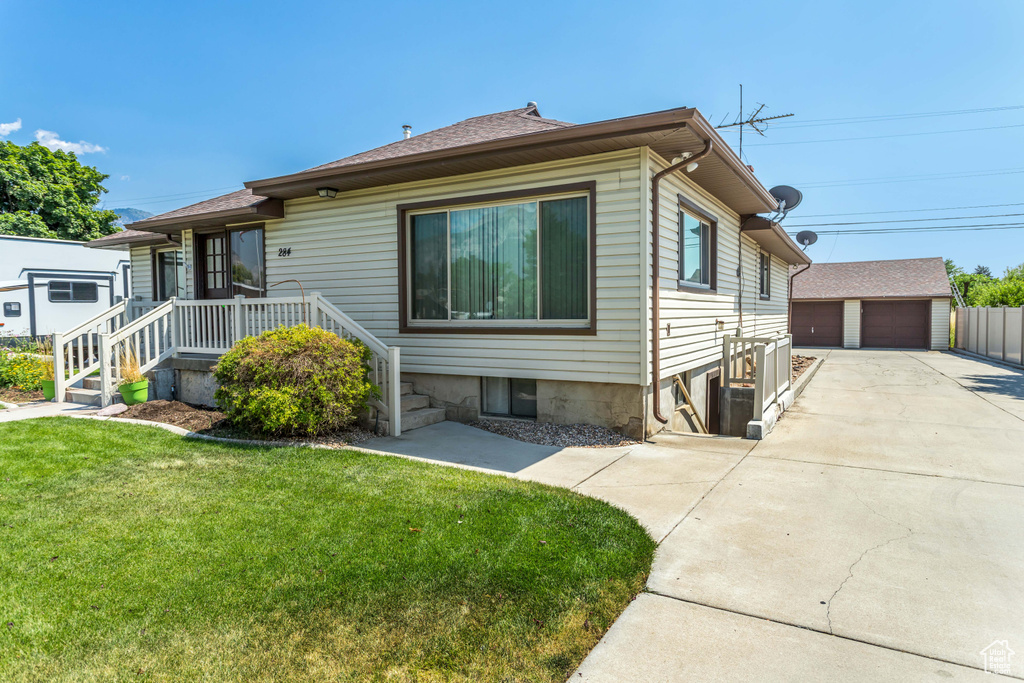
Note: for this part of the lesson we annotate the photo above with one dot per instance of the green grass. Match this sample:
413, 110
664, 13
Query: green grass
129, 553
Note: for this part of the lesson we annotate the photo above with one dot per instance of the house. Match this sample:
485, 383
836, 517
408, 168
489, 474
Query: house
508, 257
50, 285
902, 303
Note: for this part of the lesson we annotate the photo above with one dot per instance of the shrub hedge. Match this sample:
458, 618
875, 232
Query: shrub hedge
294, 381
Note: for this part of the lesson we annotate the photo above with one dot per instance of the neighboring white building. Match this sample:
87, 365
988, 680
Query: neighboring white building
49, 285
509, 256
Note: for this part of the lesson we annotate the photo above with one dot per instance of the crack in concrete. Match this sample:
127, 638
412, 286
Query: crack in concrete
849, 575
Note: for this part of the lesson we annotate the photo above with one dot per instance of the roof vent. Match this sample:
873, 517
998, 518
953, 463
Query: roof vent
406, 131
531, 104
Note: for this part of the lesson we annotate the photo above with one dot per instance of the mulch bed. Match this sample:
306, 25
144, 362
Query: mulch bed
563, 436
800, 364
203, 420
16, 395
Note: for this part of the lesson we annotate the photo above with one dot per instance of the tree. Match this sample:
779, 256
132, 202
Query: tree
983, 270
50, 194
952, 269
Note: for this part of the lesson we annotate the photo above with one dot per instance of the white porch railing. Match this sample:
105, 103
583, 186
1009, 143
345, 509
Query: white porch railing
212, 327
766, 363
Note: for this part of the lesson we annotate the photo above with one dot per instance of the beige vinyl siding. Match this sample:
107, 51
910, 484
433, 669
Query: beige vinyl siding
940, 324
851, 324
346, 249
141, 273
689, 334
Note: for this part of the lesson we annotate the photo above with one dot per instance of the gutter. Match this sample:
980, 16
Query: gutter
656, 272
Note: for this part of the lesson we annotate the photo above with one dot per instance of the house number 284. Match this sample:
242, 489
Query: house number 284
284, 251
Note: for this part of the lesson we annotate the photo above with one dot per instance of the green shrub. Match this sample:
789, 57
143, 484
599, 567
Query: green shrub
294, 381
24, 371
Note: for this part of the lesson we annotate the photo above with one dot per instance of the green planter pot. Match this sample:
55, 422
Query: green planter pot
49, 390
137, 392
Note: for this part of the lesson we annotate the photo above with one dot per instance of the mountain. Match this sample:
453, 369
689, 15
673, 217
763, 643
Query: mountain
130, 215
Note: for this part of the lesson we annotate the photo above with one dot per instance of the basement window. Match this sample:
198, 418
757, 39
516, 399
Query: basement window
509, 397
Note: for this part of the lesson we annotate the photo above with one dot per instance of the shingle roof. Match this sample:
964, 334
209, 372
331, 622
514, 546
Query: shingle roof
122, 236
918, 277
239, 199
505, 124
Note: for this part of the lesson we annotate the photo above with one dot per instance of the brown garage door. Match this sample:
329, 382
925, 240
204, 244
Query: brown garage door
895, 324
817, 323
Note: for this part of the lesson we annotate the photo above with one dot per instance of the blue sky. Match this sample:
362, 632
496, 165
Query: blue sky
189, 99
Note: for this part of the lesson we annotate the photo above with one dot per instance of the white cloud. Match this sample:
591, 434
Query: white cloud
8, 128
50, 140
126, 177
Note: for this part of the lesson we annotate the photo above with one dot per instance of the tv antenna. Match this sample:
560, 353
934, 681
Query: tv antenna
754, 120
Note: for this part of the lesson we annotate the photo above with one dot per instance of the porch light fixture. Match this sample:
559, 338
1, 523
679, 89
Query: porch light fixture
690, 168
327, 192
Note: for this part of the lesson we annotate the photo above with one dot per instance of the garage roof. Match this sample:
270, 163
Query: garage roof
901, 278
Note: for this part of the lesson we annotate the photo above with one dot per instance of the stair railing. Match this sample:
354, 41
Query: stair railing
76, 353
150, 338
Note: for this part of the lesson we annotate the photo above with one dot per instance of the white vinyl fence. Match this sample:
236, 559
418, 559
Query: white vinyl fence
996, 333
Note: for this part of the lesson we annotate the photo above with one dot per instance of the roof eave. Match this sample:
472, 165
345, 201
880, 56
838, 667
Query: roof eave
773, 238
119, 243
266, 209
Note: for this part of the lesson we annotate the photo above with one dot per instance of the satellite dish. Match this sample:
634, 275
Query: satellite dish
788, 197
806, 238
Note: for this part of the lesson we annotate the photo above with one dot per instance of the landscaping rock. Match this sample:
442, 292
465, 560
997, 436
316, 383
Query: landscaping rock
112, 409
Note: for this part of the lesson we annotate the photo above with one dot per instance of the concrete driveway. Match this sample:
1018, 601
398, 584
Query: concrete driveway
877, 534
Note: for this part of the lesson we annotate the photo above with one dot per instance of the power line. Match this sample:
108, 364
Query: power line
908, 220
911, 178
891, 231
178, 195
814, 123
942, 208
882, 137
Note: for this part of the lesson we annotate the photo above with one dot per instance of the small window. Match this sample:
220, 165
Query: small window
12, 309
507, 397
63, 291
694, 251
766, 275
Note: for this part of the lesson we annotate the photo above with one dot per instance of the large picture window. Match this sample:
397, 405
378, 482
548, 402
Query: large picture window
232, 263
514, 263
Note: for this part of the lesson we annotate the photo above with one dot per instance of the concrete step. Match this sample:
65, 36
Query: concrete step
85, 397
414, 419
406, 388
91, 383
414, 402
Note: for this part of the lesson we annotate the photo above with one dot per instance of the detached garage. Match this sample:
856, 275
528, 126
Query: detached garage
900, 304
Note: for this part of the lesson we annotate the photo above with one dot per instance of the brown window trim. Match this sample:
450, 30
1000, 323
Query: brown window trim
199, 260
403, 305
712, 221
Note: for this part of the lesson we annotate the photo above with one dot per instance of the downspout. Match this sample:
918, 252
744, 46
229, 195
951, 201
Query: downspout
789, 299
656, 273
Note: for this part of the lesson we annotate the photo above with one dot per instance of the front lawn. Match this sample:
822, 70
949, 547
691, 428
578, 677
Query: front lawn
129, 553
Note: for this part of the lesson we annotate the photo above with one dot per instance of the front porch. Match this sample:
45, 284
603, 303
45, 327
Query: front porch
176, 331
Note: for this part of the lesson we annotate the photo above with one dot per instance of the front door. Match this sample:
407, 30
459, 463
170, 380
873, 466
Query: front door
214, 253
